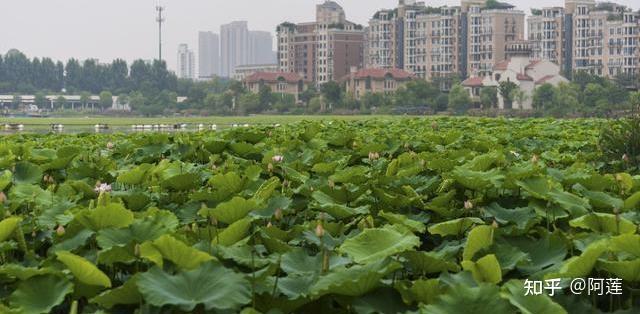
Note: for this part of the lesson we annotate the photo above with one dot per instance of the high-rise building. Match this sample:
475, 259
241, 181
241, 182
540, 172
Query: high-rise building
323, 50
234, 44
208, 55
443, 41
597, 38
261, 48
186, 62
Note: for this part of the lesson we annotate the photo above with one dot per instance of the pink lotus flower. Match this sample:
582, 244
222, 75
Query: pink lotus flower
277, 158
468, 205
60, 231
110, 145
103, 187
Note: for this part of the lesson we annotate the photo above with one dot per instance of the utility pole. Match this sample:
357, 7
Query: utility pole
160, 20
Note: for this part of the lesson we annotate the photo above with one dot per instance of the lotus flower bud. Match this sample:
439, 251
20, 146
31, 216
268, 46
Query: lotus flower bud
374, 156
60, 230
269, 225
278, 214
277, 158
319, 230
3, 198
535, 159
434, 126
625, 158
110, 145
270, 167
468, 205
332, 184
494, 225
136, 250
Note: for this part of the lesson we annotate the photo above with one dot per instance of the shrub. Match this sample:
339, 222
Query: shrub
620, 143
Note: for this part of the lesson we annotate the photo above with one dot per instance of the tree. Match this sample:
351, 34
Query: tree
459, 99
17, 100
106, 100
520, 97
506, 91
308, 94
543, 96
85, 97
61, 101
332, 92
489, 97
40, 100
264, 94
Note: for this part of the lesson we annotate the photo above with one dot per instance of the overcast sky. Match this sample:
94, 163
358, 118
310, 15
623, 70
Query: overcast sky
109, 29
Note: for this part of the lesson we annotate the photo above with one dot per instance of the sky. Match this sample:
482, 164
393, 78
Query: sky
126, 29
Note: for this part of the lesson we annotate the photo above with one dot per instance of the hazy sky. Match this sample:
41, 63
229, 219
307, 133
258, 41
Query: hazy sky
109, 29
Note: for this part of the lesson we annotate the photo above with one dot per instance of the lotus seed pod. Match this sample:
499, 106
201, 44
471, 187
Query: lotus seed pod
60, 231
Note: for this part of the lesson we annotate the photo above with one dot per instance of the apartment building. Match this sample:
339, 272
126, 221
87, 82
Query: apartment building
597, 38
208, 55
438, 42
186, 62
323, 50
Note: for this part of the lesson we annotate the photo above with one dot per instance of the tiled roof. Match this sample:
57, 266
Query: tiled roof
545, 79
397, 74
273, 77
472, 81
523, 77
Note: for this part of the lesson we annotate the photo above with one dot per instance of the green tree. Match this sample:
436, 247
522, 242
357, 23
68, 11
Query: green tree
308, 94
40, 100
592, 93
61, 101
332, 92
459, 99
106, 100
489, 97
85, 97
17, 100
543, 96
506, 91
520, 97
265, 96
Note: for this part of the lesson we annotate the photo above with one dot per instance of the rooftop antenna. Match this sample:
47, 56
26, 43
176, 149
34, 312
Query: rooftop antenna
160, 19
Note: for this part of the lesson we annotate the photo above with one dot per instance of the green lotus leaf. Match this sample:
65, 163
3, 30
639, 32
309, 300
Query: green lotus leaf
477, 180
339, 211
215, 146
182, 182
375, 244
581, 266
426, 291
573, 204
27, 173
74, 242
231, 211
631, 203
486, 269
24, 273
514, 291
429, 262
603, 200
628, 243
150, 252
298, 262
355, 175
64, 156
214, 286
226, 185
234, 233
521, 217
40, 294
113, 215
26, 193
625, 270
454, 227
139, 232
483, 299
116, 254
414, 226
266, 190
354, 281
134, 176
8, 226
605, 223
479, 238
5, 179
538, 187
85, 271
542, 253
126, 294
179, 253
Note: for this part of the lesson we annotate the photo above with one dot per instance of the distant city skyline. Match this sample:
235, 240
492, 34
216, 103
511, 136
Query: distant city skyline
108, 30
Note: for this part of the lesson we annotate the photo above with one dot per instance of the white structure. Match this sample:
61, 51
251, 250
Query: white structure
261, 48
522, 71
208, 55
186, 62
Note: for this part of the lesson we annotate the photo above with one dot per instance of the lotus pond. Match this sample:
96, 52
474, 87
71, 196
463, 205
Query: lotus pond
442, 215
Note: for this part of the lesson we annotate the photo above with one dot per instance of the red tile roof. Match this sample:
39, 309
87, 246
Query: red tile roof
273, 77
545, 79
502, 65
523, 77
379, 74
472, 81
